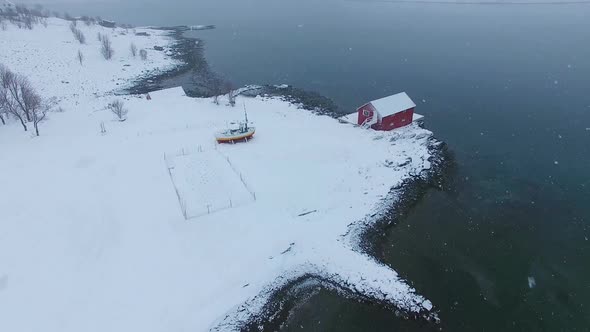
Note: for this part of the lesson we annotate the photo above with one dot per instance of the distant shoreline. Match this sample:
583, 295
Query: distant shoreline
198, 79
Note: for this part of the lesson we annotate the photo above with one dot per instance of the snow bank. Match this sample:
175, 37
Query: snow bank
92, 234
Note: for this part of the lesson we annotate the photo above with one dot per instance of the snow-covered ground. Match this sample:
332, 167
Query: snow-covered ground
92, 233
49, 57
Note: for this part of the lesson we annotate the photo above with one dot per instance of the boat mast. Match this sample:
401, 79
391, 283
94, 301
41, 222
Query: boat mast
246, 116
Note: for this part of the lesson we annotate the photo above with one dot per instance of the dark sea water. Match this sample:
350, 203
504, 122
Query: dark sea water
506, 245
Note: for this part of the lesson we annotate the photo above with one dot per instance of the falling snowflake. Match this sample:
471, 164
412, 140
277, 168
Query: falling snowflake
532, 282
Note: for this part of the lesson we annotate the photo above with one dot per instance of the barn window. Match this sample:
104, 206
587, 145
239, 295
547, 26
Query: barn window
366, 113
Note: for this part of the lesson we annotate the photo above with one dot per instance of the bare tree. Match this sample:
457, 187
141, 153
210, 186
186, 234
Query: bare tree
3, 112
106, 48
117, 107
3, 97
80, 57
143, 54
133, 50
231, 93
9, 104
28, 22
99, 37
33, 103
216, 90
19, 98
14, 84
78, 35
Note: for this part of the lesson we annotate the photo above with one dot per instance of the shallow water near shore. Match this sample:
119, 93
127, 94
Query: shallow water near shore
506, 87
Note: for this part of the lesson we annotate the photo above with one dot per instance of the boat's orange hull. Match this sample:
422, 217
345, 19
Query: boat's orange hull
234, 139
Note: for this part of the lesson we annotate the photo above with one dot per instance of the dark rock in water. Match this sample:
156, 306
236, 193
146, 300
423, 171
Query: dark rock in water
308, 100
145, 34
107, 23
158, 48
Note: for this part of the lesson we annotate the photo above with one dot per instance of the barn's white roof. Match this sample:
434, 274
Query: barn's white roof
393, 104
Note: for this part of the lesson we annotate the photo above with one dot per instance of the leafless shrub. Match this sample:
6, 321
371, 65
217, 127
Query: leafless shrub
33, 102
78, 35
88, 20
28, 22
44, 22
216, 90
143, 54
133, 50
80, 57
3, 96
117, 107
3, 26
106, 48
231, 93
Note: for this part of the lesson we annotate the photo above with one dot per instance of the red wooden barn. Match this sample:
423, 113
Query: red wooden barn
387, 113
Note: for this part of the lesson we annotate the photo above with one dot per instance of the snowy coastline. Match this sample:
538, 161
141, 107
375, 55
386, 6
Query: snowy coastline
113, 251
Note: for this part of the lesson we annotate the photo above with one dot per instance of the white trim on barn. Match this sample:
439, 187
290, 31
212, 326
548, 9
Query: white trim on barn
353, 118
393, 104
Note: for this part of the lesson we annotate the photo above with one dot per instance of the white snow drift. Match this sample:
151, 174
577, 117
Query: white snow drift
92, 232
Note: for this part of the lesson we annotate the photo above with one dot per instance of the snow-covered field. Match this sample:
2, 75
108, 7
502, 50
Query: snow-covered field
92, 235
49, 57
207, 182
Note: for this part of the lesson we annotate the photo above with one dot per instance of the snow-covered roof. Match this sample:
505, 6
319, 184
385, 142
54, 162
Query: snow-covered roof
170, 92
393, 104
350, 118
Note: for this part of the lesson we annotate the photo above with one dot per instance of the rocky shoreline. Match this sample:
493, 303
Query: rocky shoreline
198, 80
287, 298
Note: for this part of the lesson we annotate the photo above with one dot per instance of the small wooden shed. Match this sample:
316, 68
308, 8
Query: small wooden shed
387, 113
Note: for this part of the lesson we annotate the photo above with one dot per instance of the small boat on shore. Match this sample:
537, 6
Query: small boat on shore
241, 133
